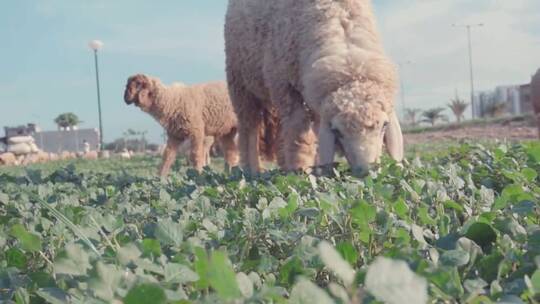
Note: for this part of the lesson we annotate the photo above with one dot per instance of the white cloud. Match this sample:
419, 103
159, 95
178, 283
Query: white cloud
506, 50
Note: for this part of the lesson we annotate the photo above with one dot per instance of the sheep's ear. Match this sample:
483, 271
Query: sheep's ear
327, 144
393, 138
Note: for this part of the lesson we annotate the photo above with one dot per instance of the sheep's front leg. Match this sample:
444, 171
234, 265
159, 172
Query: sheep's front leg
197, 153
208, 143
169, 156
230, 150
298, 136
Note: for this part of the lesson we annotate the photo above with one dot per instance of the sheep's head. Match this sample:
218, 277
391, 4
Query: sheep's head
140, 90
360, 125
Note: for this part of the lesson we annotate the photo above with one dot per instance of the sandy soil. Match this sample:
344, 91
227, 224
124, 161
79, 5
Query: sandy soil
509, 131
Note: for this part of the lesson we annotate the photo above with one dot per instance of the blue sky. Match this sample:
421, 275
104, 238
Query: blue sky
46, 67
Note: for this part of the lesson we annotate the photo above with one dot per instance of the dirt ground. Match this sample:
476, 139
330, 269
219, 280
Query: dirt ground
504, 131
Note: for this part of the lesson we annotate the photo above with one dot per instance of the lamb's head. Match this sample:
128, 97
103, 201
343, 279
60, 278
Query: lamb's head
140, 91
360, 124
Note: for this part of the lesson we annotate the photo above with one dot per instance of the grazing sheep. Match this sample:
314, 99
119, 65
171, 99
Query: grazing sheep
8, 159
323, 64
187, 112
535, 97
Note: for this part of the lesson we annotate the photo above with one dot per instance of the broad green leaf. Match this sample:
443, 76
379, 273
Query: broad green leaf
336, 263
305, 292
75, 261
244, 284
177, 273
222, 277
393, 282
29, 242
53, 295
482, 234
455, 258
15, 258
292, 205
169, 233
151, 247
146, 293
348, 252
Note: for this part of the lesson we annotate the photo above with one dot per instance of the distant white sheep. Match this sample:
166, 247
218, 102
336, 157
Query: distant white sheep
317, 60
8, 159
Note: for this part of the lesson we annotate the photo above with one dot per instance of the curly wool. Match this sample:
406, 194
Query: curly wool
326, 51
184, 110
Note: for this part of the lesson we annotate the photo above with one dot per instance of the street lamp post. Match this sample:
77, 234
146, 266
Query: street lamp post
96, 45
469, 30
402, 86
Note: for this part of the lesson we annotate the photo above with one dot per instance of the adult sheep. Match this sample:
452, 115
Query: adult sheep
318, 60
535, 97
187, 112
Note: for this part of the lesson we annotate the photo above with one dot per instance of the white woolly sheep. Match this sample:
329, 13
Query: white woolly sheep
320, 61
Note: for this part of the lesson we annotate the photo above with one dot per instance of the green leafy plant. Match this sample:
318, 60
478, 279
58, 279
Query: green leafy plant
457, 224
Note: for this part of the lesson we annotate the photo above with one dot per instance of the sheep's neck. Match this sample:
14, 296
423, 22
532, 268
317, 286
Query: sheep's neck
169, 108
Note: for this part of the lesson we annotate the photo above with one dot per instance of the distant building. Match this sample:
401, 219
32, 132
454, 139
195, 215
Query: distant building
71, 140
516, 98
525, 98
68, 140
29, 129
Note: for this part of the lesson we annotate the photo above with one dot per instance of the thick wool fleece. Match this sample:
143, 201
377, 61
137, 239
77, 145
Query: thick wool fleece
189, 112
313, 58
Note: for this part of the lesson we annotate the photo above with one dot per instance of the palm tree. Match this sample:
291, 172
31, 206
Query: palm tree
433, 115
458, 107
411, 116
67, 121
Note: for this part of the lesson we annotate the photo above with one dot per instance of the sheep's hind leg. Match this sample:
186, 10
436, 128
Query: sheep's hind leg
249, 122
297, 134
230, 150
169, 156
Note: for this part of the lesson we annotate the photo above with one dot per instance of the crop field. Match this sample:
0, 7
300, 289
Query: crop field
453, 225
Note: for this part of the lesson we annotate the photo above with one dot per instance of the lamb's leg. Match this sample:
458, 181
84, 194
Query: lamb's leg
230, 150
197, 153
169, 156
208, 142
297, 134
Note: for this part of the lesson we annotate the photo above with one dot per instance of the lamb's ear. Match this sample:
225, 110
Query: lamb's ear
393, 138
327, 144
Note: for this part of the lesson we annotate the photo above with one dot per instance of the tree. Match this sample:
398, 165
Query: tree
67, 121
433, 115
458, 107
411, 116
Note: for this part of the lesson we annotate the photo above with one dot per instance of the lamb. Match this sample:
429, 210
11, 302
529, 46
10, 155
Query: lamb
323, 65
187, 112
535, 97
